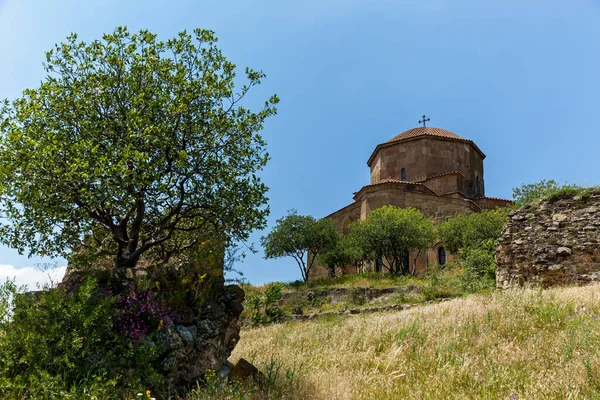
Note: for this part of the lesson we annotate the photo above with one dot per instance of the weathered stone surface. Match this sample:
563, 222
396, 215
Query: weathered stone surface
245, 370
202, 342
563, 251
298, 310
551, 243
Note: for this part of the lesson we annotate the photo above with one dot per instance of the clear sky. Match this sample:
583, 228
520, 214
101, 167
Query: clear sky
520, 78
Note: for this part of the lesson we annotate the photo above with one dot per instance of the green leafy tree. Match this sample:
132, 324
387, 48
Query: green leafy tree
473, 237
390, 233
471, 230
135, 144
346, 252
301, 237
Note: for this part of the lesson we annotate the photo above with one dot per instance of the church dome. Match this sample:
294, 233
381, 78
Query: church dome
421, 131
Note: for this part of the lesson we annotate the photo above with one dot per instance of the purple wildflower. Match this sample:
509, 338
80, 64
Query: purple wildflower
140, 313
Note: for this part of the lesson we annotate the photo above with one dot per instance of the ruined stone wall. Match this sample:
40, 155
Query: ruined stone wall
551, 243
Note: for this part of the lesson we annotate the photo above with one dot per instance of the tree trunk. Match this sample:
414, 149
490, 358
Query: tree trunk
125, 261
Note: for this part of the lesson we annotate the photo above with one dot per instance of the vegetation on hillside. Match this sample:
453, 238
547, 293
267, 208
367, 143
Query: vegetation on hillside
301, 237
266, 304
78, 340
389, 233
471, 238
547, 189
525, 344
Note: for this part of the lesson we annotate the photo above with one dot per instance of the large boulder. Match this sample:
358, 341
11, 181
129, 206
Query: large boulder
201, 337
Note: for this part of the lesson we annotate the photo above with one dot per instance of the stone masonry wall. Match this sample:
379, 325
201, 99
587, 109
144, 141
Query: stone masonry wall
551, 243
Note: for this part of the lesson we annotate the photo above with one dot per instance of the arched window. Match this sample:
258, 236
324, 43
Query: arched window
441, 256
403, 174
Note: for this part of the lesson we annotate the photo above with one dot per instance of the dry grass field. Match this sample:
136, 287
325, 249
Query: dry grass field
526, 344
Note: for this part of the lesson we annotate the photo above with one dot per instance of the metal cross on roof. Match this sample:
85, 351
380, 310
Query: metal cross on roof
424, 121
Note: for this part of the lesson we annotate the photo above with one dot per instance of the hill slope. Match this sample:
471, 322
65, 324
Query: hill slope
524, 344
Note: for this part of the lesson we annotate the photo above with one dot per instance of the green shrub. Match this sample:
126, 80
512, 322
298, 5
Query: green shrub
564, 191
265, 309
75, 342
479, 268
526, 194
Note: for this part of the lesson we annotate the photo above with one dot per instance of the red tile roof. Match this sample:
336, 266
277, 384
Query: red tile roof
415, 132
384, 181
423, 132
389, 180
447, 173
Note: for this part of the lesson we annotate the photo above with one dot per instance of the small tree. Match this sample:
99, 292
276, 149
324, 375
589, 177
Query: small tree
390, 233
472, 237
135, 144
346, 252
471, 230
301, 237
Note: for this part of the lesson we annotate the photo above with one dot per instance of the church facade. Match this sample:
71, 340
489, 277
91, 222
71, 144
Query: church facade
430, 169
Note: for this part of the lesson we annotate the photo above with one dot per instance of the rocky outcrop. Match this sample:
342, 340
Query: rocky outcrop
200, 340
338, 295
551, 243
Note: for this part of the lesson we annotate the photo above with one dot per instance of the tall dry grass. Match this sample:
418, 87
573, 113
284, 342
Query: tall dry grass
523, 344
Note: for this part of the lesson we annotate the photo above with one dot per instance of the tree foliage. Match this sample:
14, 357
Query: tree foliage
550, 190
479, 265
527, 193
346, 252
471, 230
301, 237
390, 233
135, 143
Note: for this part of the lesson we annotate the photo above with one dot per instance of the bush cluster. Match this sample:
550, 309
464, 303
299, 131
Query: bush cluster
77, 341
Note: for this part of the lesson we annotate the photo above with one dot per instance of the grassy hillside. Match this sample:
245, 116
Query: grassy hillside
439, 283
515, 345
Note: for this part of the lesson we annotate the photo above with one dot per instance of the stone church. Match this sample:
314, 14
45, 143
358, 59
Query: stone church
430, 169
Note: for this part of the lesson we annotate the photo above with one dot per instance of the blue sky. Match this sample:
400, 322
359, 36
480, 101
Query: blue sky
520, 78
